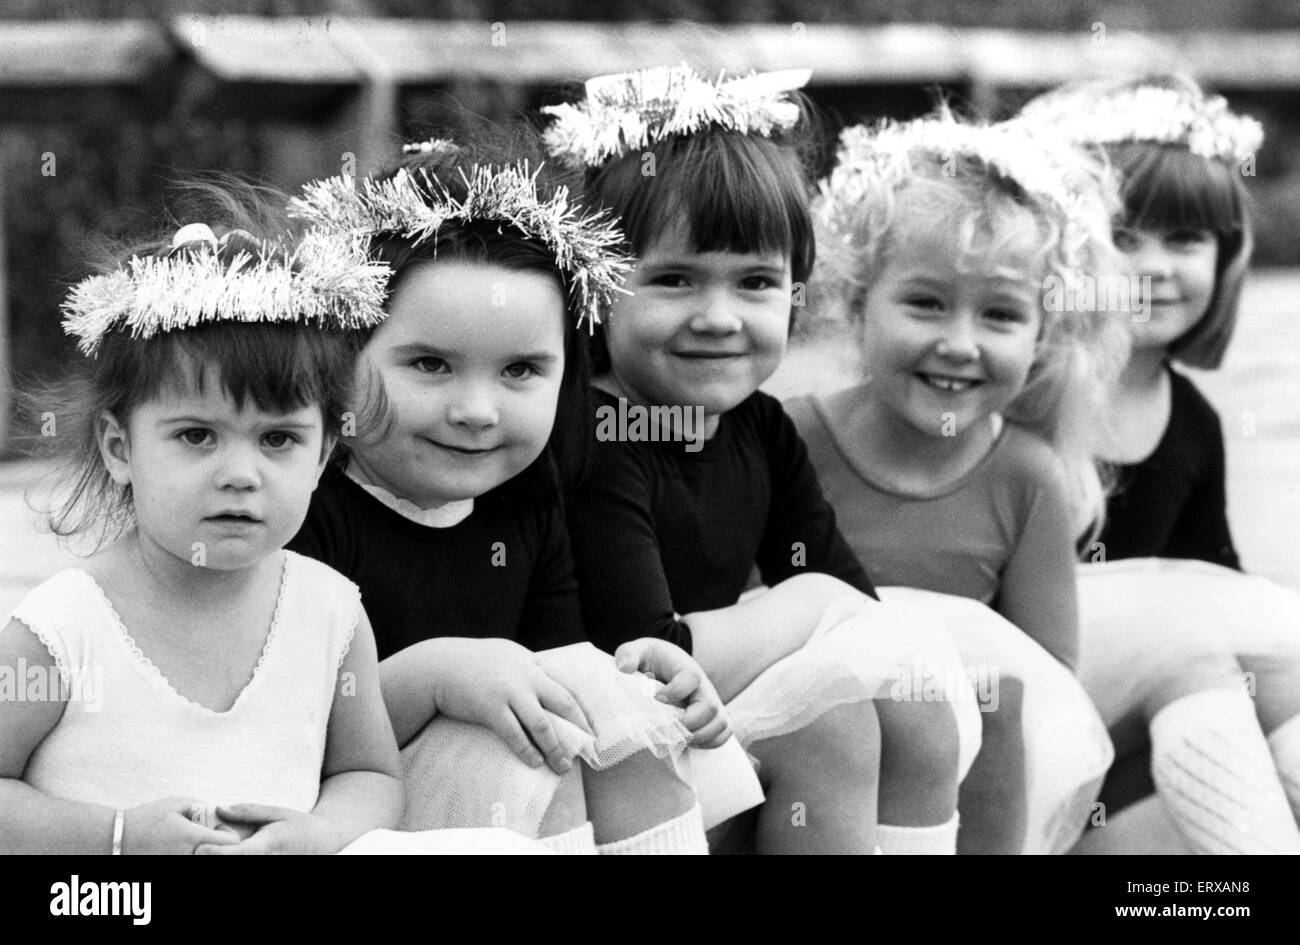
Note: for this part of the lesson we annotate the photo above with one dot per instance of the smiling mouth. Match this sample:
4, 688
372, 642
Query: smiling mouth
710, 355
464, 451
950, 385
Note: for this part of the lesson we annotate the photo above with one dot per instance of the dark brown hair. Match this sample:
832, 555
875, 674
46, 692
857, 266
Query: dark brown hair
734, 192
1167, 187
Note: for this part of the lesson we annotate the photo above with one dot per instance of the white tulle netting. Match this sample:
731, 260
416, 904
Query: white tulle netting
1144, 619
1067, 749
461, 775
861, 650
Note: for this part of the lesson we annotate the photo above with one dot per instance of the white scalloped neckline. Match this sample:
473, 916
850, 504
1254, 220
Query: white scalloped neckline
147, 667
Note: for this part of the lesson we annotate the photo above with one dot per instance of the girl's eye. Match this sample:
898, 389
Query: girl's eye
195, 436
520, 371
757, 283
1125, 240
279, 439
668, 280
1188, 237
429, 365
928, 303
1006, 316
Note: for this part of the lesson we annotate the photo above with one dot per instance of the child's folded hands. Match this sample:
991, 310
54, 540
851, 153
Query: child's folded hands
276, 830
167, 826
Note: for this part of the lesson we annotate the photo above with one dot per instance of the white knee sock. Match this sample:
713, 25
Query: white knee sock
1284, 743
1214, 772
681, 835
941, 839
580, 841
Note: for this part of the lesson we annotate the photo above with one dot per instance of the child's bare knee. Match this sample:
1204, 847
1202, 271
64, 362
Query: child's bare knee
844, 739
919, 740
852, 733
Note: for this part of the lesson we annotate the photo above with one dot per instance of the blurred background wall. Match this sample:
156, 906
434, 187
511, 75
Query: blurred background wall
103, 102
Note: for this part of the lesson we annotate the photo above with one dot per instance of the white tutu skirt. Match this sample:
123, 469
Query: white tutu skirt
919, 644
462, 775
1142, 619
1067, 749
861, 650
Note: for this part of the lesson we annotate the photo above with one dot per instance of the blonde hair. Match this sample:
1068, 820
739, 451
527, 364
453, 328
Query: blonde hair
972, 190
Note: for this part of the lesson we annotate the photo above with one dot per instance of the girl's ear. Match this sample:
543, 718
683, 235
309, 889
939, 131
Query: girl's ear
114, 448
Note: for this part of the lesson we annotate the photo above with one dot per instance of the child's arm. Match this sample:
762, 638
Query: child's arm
361, 779
406, 678
32, 821
494, 683
361, 782
1037, 592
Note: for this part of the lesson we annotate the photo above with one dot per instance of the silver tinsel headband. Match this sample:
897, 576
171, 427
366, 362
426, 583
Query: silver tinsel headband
885, 159
586, 245
322, 280
1157, 114
633, 110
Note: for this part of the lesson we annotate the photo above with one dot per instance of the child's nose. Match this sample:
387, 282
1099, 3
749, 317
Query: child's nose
714, 314
239, 467
472, 405
958, 342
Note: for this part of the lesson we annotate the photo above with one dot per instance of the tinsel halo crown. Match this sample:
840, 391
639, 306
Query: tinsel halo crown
1156, 112
322, 280
1048, 171
415, 205
633, 110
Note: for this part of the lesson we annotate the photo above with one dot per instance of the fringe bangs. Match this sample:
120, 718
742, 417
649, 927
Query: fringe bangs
733, 192
1168, 187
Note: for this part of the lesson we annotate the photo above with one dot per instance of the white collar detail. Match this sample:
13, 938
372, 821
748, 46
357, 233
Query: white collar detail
440, 516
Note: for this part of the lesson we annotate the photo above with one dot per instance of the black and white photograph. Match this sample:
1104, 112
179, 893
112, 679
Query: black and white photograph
659, 427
